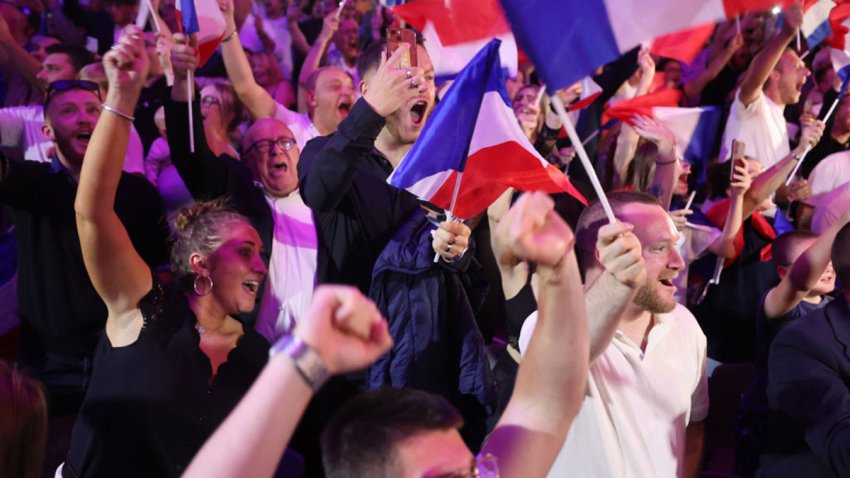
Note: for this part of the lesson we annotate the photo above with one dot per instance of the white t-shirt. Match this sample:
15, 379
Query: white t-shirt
300, 125
638, 404
829, 207
830, 173
761, 126
277, 30
20, 127
292, 268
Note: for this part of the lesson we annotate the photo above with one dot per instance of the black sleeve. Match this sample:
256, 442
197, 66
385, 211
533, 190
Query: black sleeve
327, 168
21, 185
205, 174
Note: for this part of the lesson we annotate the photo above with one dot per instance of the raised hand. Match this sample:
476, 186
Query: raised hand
680, 217
620, 253
127, 62
344, 328
226, 7
391, 87
741, 180
793, 17
810, 136
799, 190
451, 239
532, 231
184, 58
329, 26
652, 130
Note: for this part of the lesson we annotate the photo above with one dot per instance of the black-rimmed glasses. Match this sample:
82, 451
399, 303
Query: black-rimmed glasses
265, 145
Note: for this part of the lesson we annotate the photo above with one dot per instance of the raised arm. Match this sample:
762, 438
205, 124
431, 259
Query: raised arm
667, 167
770, 180
327, 168
724, 246
19, 58
804, 274
715, 65
314, 57
299, 41
346, 331
256, 99
205, 174
552, 377
609, 295
764, 62
118, 273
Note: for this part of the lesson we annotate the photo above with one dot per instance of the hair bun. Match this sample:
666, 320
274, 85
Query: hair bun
189, 215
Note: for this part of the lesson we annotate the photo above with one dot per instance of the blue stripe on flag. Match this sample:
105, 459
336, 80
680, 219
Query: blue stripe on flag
565, 39
443, 144
189, 16
818, 35
702, 143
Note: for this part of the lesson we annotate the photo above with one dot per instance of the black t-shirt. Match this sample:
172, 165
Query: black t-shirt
151, 405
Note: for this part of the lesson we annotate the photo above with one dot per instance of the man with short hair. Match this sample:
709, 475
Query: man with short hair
61, 314
330, 95
773, 80
647, 389
808, 371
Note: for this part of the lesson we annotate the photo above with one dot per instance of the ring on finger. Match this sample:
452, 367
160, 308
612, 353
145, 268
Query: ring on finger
408, 73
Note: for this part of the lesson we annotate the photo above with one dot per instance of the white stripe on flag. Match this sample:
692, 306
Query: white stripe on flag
496, 124
632, 25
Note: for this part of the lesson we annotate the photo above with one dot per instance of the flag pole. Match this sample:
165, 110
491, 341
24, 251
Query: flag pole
450, 216
190, 80
798, 41
809, 148
582, 154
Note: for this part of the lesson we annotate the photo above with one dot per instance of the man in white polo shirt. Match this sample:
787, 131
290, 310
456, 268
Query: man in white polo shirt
647, 390
773, 80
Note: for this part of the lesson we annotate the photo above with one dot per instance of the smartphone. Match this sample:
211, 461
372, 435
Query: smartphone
738, 153
397, 36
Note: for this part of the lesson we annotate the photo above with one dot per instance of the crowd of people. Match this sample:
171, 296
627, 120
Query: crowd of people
205, 272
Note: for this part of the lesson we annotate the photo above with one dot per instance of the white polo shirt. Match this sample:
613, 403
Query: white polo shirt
292, 267
761, 126
830, 173
637, 404
300, 125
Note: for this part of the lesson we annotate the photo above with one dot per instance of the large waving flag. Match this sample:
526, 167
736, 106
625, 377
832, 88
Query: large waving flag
567, 39
455, 31
683, 45
815, 27
472, 148
839, 22
204, 18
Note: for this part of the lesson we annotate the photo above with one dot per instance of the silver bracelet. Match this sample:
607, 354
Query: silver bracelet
118, 113
307, 361
230, 37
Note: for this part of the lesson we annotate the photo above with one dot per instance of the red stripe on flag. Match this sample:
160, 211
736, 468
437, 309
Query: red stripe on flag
734, 8
465, 21
837, 16
683, 45
493, 169
642, 105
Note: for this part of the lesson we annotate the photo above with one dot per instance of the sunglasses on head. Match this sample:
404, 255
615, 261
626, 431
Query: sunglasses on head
65, 85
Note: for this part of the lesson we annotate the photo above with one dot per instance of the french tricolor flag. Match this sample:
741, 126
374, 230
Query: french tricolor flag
815, 27
204, 18
839, 22
472, 149
590, 91
683, 45
456, 30
695, 129
568, 39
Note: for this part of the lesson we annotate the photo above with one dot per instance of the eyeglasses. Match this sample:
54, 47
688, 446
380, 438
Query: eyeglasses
210, 101
65, 85
265, 145
482, 466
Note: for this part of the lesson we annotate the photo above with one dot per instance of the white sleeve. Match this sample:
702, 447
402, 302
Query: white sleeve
134, 161
822, 178
527, 331
12, 126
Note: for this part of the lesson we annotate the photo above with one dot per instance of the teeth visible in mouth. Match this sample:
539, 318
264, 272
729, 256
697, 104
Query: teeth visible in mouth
252, 285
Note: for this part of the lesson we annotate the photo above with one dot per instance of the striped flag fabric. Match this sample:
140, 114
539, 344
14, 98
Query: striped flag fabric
472, 149
815, 27
568, 39
204, 18
455, 31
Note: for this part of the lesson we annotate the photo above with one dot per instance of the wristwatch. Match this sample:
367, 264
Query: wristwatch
307, 361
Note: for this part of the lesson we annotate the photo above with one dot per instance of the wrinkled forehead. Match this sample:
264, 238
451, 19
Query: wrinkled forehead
266, 128
76, 96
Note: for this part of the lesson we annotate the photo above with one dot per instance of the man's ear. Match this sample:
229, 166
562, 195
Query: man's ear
782, 271
47, 132
310, 98
362, 87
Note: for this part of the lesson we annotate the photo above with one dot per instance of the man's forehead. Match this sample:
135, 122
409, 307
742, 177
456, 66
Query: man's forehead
54, 58
651, 221
267, 128
331, 75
